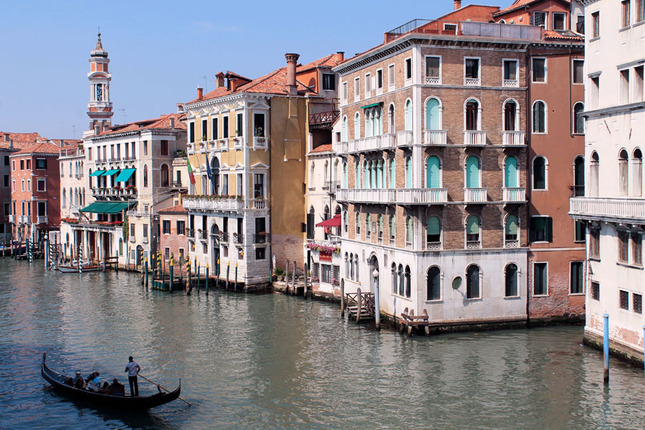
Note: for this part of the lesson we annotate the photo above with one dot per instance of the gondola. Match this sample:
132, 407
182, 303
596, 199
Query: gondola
74, 268
126, 402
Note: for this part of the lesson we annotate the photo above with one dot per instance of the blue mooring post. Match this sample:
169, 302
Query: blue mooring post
228, 272
207, 279
217, 274
171, 264
235, 276
605, 344
145, 268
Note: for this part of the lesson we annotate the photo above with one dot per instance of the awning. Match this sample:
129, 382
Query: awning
107, 207
331, 222
125, 175
97, 173
372, 105
110, 172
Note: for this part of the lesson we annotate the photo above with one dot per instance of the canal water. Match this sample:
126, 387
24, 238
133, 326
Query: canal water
274, 361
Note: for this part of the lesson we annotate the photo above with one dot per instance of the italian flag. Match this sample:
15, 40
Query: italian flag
191, 175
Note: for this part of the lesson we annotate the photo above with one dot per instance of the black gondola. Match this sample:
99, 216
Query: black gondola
127, 402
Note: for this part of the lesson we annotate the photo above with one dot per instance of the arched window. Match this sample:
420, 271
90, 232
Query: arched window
408, 114
380, 227
433, 172
165, 181
539, 173
344, 129
401, 280
594, 173
368, 224
637, 173
511, 115
511, 230
357, 220
472, 172
433, 284
357, 175
578, 119
392, 173
472, 231
408, 282
433, 230
356, 267
579, 176
394, 279
145, 176
345, 175
510, 280
325, 172
367, 179
433, 114
390, 119
215, 175
408, 172
392, 228
510, 172
64, 202
408, 231
472, 282
539, 117
351, 264
357, 126
622, 173
472, 115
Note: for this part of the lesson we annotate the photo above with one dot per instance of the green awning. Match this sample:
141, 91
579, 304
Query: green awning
97, 173
372, 105
110, 172
125, 175
107, 207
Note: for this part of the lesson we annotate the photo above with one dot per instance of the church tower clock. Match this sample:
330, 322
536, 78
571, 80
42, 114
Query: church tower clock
99, 109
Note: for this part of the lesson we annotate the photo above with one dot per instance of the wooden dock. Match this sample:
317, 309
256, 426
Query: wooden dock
360, 305
408, 322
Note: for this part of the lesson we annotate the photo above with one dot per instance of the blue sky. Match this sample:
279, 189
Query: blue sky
161, 51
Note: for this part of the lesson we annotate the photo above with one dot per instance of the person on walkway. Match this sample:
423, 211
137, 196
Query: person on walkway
133, 369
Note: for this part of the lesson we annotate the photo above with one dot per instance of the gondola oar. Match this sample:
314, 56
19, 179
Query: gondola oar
163, 388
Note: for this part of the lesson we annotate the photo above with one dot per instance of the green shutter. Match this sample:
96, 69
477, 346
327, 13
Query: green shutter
510, 172
432, 115
472, 225
434, 226
511, 225
432, 168
472, 169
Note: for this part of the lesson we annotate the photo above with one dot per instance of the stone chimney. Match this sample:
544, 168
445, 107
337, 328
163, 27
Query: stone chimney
62, 143
180, 108
340, 56
6, 137
292, 61
457, 4
200, 93
172, 122
219, 80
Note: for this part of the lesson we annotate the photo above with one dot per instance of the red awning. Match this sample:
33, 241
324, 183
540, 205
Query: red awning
331, 222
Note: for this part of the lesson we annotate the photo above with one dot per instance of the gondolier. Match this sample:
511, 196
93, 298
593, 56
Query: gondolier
133, 369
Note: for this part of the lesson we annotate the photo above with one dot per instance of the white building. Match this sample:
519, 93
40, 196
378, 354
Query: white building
614, 206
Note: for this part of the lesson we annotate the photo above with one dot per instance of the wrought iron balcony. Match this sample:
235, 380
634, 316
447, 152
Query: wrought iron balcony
261, 238
238, 238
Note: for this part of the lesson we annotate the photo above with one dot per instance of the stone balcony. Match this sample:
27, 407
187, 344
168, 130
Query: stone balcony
514, 195
475, 195
421, 196
213, 203
42, 220
404, 138
127, 193
373, 143
474, 137
513, 138
435, 137
403, 196
620, 210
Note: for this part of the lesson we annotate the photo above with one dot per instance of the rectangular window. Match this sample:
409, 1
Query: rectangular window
204, 129
240, 125
132, 230
166, 253
379, 79
408, 68
258, 125
595, 21
580, 24
450, 29
539, 69
623, 246
191, 132
539, 19
6, 181
28, 164
225, 185
472, 68
225, 133
164, 147
637, 95
623, 299
329, 81
165, 226
42, 208
580, 231
145, 231
357, 88
625, 8
41, 185
541, 229
637, 249
433, 70
311, 221
559, 21
6, 160
624, 86
594, 243
578, 70
640, 10
638, 303
368, 85
595, 290
390, 76
345, 92
215, 129
22, 164
181, 227
258, 185
595, 91
260, 253
576, 282
540, 279
510, 72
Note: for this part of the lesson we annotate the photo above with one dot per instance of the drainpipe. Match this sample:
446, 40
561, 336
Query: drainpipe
527, 69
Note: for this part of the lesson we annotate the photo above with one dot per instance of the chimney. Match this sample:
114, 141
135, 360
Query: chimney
180, 108
62, 143
292, 61
219, 80
6, 137
172, 122
340, 56
200, 93
10, 144
457, 4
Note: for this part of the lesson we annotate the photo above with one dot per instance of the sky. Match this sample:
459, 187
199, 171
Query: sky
161, 51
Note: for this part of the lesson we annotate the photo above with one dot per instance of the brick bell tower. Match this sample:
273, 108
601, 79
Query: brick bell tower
99, 109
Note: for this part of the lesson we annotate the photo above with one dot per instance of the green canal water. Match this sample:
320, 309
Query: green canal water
273, 361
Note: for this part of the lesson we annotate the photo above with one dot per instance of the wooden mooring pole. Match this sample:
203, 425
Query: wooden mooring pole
342, 299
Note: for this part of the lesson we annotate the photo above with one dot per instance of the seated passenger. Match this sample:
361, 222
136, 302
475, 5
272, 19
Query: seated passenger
95, 383
116, 388
79, 382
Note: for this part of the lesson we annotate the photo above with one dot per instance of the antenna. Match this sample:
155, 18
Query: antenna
122, 109
73, 132
205, 78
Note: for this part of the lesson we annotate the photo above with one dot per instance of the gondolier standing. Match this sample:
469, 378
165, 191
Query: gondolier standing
133, 369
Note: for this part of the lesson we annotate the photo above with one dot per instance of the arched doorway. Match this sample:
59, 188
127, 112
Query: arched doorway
374, 273
215, 240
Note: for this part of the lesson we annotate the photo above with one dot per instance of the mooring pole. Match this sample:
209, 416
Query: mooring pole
228, 272
293, 279
605, 344
189, 274
235, 288
145, 268
342, 299
305, 292
377, 305
199, 274
206, 279
217, 274
359, 300
170, 281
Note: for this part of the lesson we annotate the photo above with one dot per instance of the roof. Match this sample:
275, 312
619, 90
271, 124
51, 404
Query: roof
321, 148
173, 210
39, 148
163, 122
519, 4
20, 140
563, 35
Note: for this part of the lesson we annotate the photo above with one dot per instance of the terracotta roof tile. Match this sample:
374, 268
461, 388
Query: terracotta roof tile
40, 148
173, 210
520, 4
321, 148
150, 124
20, 140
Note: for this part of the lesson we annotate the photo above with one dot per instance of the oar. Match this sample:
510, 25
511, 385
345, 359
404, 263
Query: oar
164, 388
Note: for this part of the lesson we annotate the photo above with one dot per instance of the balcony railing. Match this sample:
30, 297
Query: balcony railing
203, 234
514, 194
611, 209
404, 138
473, 244
372, 143
238, 142
133, 239
433, 80
42, 220
341, 148
475, 195
12, 219
260, 142
259, 203
213, 203
472, 82
474, 137
238, 238
435, 137
513, 138
261, 238
405, 196
511, 243
421, 196
510, 83
577, 190
190, 232
379, 195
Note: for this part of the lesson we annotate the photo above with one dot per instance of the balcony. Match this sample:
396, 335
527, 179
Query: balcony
474, 137
608, 209
433, 80
261, 238
514, 195
372, 143
42, 220
214, 203
144, 240
435, 137
376, 196
12, 219
223, 143
238, 238
473, 244
404, 138
260, 142
203, 234
421, 196
190, 232
238, 142
475, 195
510, 83
341, 148
513, 138
223, 237
472, 82
133, 239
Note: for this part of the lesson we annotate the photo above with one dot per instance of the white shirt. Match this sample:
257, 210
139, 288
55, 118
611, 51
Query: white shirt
132, 368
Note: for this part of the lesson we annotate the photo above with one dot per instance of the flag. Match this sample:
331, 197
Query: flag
209, 172
191, 175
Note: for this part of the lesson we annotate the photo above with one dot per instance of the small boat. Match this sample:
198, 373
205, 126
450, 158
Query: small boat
127, 402
86, 266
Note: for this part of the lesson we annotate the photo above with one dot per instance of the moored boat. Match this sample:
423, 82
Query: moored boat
57, 380
75, 268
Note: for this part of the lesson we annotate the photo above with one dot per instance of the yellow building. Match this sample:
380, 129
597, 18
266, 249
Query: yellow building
246, 147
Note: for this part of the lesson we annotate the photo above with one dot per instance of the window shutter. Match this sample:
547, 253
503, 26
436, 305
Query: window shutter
433, 225
511, 225
549, 229
472, 225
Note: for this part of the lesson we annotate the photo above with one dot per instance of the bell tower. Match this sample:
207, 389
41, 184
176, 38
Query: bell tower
99, 109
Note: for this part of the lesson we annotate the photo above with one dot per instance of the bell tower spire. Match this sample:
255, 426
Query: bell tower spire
99, 109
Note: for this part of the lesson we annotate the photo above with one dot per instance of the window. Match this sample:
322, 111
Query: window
539, 117
472, 115
472, 172
181, 227
637, 93
329, 81
408, 69
258, 185
625, 8
580, 24
578, 119
637, 299
344, 93
595, 19
510, 281
408, 282
433, 172
624, 86
408, 172
6, 160
510, 78
511, 229
408, 115
390, 76
433, 230
472, 282
409, 234
541, 229
539, 70
41, 163
165, 226
28, 164
540, 279
594, 243
623, 299
225, 131
580, 231
579, 176
357, 222
164, 147
471, 71
578, 71
368, 225
215, 129
433, 284
379, 79
577, 279
622, 173
191, 132
260, 253
240, 125
433, 114
640, 10
511, 177
6, 181
22, 164
472, 231
42, 209
357, 126
623, 246
368, 85
258, 125
357, 88
41, 185
539, 19
595, 91
145, 176
595, 290
392, 228
637, 249
433, 70
450, 28
380, 227
559, 21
